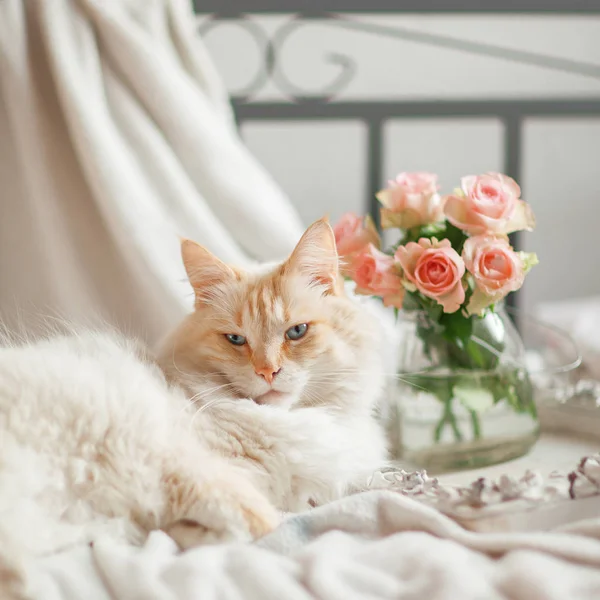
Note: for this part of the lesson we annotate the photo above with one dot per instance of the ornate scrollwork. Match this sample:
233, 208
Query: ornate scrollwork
345, 64
259, 35
272, 46
270, 67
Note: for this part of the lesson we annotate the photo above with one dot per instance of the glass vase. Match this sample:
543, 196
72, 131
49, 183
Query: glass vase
462, 403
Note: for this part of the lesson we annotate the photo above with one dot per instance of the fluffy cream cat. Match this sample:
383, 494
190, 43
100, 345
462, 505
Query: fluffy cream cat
94, 441
269, 404
285, 370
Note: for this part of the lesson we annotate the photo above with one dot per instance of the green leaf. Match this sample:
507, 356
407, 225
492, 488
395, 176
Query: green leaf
435, 311
411, 301
457, 327
456, 236
411, 235
434, 230
512, 386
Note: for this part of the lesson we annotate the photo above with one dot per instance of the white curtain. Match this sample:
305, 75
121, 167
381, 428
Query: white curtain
116, 137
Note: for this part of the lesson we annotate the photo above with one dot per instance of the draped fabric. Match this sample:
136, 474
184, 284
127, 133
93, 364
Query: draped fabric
116, 138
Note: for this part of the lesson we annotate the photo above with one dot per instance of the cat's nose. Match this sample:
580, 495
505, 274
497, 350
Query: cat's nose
268, 373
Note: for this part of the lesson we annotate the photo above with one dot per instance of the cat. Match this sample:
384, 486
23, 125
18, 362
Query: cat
285, 369
94, 441
261, 401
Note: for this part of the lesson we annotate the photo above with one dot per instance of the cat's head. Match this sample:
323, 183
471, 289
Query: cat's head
283, 334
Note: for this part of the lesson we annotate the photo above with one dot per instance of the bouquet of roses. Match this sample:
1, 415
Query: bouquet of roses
453, 263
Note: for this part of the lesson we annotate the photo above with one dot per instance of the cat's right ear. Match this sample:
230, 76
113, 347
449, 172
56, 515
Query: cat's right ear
204, 269
315, 256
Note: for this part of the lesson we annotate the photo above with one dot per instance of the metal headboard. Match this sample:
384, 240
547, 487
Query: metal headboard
321, 105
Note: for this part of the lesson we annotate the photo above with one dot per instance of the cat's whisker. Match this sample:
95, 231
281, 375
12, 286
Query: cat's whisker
194, 376
405, 381
315, 399
192, 400
204, 393
175, 363
205, 407
414, 385
205, 375
211, 403
220, 303
394, 375
336, 376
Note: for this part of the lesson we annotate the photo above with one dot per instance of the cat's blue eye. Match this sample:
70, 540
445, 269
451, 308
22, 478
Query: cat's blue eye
296, 332
235, 339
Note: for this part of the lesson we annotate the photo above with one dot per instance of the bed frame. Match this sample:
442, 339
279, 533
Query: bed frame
322, 103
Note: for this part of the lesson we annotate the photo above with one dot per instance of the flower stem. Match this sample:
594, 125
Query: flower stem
447, 418
452, 420
476, 425
437, 433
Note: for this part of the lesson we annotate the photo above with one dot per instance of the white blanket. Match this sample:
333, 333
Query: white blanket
116, 137
373, 545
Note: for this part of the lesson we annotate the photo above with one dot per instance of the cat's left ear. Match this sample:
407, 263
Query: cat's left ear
204, 269
315, 256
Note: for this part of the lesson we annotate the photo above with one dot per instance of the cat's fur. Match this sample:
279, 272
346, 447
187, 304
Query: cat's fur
94, 439
310, 435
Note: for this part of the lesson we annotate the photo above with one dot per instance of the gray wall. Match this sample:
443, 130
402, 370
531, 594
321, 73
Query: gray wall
323, 165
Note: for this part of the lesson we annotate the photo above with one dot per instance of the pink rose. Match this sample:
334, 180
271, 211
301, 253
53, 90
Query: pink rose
496, 268
411, 200
375, 273
435, 269
352, 234
489, 204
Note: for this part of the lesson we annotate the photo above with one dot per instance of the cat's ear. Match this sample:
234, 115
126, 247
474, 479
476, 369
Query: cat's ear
315, 256
204, 269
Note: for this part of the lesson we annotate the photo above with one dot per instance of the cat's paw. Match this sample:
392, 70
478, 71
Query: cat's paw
226, 510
